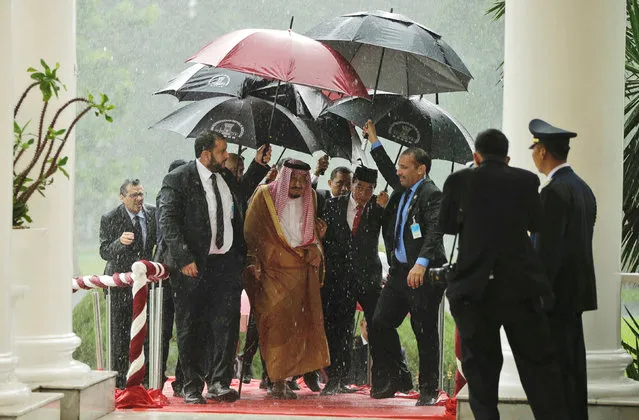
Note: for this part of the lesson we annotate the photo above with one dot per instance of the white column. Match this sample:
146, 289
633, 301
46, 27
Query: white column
44, 338
11, 391
564, 64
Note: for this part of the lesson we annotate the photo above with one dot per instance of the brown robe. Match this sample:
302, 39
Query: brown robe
283, 285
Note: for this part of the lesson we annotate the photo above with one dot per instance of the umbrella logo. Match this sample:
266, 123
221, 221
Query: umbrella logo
219, 81
231, 129
404, 132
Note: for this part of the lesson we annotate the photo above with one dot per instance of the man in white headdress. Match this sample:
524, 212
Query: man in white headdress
285, 272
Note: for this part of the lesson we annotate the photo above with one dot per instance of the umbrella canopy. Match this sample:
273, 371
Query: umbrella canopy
416, 59
284, 56
242, 121
201, 81
302, 101
411, 122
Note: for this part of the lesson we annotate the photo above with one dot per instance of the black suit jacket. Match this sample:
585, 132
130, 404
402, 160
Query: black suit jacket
424, 208
493, 207
120, 257
184, 217
565, 242
353, 256
322, 197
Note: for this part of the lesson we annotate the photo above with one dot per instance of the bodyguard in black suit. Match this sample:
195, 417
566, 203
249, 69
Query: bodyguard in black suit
127, 234
168, 304
414, 244
353, 269
499, 280
565, 246
202, 217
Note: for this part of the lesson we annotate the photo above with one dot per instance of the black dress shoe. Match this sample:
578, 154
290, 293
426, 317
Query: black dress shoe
219, 392
311, 379
293, 385
178, 389
405, 383
331, 388
426, 399
248, 374
194, 398
345, 389
264, 383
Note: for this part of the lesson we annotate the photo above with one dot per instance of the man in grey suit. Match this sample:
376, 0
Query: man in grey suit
127, 234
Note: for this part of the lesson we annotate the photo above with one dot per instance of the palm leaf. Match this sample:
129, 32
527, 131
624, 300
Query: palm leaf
630, 228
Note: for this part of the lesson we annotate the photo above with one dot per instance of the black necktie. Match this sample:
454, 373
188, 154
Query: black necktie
137, 232
400, 218
219, 214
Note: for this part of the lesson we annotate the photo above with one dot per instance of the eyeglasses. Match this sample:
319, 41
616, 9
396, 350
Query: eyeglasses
136, 195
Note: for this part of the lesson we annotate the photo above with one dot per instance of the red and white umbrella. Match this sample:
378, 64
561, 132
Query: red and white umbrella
285, 56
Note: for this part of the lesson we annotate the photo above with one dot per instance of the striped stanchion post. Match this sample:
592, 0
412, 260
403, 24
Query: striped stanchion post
138, 326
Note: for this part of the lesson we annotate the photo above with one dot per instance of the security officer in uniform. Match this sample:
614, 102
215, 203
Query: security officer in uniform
499, 280
565, 247
353, 269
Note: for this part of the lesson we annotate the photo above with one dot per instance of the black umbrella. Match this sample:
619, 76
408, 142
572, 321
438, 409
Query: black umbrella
333, 132
302, 101
393, 53
411, 122
201, 81
244, 122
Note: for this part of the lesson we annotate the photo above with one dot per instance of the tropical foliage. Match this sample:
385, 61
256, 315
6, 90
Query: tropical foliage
630, 229
37, 156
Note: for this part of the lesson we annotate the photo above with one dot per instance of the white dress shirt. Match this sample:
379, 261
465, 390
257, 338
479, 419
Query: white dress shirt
292, 221
553, 172
350, 211
556, 168
227, 207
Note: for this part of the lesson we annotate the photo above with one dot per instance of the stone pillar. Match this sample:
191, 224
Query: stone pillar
44, 338
11, 391
564, 64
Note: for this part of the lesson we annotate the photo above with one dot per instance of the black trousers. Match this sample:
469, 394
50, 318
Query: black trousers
251, 343
339, 298
568, 336
207, 313
121, 317
529, 335
395, 301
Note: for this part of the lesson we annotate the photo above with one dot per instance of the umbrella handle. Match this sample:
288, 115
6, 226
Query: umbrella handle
267, 147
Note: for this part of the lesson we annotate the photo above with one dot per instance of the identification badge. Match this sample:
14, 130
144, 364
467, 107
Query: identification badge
416, 231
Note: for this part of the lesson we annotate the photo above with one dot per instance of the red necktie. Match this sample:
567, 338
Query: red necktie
358, 215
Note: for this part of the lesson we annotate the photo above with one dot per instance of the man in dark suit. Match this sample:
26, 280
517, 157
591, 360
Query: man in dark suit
168, 304
127, 234
353, 269
499, 280
339, 183
565, 246
414, 244
202, 217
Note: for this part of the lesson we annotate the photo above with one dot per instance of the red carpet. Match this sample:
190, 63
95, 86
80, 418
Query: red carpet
357, 405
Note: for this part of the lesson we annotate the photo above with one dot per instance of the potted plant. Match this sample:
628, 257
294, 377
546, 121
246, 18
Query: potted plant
37, 152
